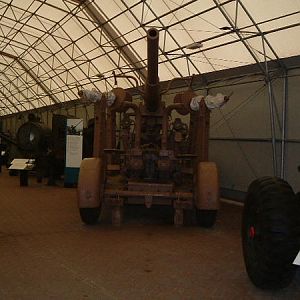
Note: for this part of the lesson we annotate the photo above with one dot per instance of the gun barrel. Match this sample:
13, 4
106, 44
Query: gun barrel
152, 92
8, 139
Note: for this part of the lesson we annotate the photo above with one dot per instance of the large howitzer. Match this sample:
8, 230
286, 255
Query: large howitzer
149, 159
32, 137
31, 142
35, 140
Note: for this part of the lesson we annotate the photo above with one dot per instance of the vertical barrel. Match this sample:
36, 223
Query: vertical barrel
152, 92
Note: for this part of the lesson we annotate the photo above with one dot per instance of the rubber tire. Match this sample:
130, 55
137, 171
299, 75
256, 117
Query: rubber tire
206, 218
90, 215
272, 209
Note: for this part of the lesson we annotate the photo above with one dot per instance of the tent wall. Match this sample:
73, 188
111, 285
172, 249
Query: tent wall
240, 134
12, 123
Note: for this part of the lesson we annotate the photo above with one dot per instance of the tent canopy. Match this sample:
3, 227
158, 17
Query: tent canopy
50, 48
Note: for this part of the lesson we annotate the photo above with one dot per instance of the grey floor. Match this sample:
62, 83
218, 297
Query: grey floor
47, 253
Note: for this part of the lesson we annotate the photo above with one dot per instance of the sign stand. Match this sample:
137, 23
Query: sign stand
23, 166
73, 151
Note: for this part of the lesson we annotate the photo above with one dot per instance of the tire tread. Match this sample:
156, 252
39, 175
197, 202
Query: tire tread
271, 204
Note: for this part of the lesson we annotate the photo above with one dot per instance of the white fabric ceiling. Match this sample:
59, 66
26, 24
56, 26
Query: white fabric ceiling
49, 48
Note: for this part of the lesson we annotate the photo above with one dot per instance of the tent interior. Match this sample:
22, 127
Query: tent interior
247, 48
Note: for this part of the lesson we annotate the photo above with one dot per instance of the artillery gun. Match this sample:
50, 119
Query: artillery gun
35, 140
155, 161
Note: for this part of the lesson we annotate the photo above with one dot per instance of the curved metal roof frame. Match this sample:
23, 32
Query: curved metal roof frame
50, 48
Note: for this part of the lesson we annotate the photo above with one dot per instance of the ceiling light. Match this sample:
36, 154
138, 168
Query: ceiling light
226, 28
193, 46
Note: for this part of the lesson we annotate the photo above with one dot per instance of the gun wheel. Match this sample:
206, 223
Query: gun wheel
207, 197
89, 191
206, 218
89, 215
270, 233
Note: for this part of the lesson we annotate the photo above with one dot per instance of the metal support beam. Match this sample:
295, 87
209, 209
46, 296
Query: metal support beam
272, 107
263, 36
284, 124
254, 35
272, 123
113, 35
134, 16
20, 92
38, 82
32, 75
13, 105
241, 38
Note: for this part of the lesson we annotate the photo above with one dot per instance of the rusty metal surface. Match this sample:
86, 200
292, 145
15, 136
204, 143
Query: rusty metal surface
208, 194
178, 217
150, 186
184, 100
151, 158
202, 132
122, 96
89, 189
127, 193
152, 90
140, 200
99, 129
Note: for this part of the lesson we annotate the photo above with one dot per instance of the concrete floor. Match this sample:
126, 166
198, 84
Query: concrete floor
47, 253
